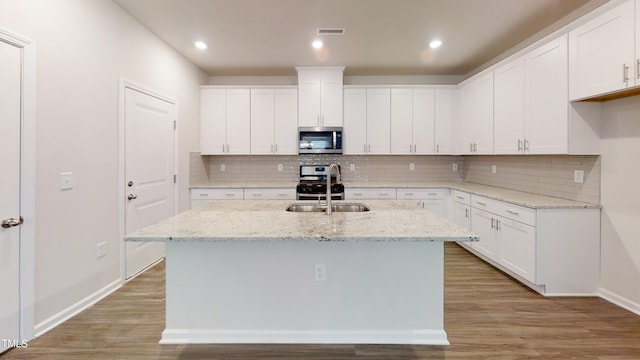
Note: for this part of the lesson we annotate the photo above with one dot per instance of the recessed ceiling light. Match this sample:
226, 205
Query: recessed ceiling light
200, 45
317, 44
435, 44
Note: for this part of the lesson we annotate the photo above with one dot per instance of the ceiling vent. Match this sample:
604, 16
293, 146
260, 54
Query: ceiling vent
330, 31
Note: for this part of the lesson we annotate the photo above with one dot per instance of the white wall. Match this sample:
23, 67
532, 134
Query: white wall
620, 197
82, 48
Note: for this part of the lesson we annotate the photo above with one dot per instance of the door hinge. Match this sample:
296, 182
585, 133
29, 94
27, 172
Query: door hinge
175, 179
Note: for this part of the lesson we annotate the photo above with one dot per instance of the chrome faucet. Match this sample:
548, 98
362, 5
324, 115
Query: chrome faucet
338, 181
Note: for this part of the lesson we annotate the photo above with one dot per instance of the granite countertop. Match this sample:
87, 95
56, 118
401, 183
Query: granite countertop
242, 220
525, 199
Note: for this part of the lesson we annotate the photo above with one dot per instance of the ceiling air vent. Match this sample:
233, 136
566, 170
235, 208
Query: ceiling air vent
330, 31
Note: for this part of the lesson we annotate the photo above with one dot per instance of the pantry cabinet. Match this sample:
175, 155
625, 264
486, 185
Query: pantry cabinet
225, 116
320, 96
602, 53
476, 115
274, 122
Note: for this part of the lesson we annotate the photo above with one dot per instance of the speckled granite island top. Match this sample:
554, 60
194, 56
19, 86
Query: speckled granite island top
263, 220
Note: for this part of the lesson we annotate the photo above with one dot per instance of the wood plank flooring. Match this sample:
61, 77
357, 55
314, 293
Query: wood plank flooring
487, 316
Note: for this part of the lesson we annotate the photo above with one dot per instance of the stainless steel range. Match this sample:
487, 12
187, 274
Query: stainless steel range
313, 184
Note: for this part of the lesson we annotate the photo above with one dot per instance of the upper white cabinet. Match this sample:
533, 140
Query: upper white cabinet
602, 53
274, 114
476, 115
367, 113
412, 120
225, 121
509, 99
443, 121
320, 96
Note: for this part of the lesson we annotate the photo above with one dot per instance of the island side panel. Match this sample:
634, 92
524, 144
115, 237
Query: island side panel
265, 292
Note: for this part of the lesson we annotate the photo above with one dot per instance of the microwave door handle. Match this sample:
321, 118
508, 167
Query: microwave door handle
335, 141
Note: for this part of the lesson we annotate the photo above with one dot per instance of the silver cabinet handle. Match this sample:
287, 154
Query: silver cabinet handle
272, 148
204, 195
460, 197
466, 213
408, 194
364, 148
132, 196
276, 148
519, 145
638, 69
492, 222
625, 74
475, 147
323, 119
497, 224
11, 222
512, 212
222, 147
481, 203
437, 148
470, 147
410, 148
230, 195
526, 145
369, 148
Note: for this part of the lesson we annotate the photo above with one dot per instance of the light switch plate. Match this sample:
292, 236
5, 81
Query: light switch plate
66, 180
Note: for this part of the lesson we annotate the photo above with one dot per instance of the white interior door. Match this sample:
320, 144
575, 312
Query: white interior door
149, 172
10, 93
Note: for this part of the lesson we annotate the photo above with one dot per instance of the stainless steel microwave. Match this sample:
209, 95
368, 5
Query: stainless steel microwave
320, 140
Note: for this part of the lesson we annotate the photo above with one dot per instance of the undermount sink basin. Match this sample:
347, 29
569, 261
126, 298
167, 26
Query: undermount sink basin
339, 207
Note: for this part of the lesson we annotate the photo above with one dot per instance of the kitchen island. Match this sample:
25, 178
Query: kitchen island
251, 272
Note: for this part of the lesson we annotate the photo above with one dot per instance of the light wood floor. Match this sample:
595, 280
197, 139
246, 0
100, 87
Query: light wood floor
487, 316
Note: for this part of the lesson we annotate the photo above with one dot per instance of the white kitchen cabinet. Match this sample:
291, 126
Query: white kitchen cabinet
412, 120
225, 116
274, 122
270, 194
483, 224
476, 115
602, 53
443, 121
434, 200
509, 107
370, 193
202, 196
460, 212
517, 247
355, 121
320, 96
378, 121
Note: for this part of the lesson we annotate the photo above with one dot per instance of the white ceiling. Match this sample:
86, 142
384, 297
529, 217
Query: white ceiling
383, 37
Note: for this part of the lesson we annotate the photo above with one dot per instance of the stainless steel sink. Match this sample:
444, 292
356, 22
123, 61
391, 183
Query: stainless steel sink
340, 207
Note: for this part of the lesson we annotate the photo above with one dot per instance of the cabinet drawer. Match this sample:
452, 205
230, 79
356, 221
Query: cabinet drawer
269, 194
370, 193
217, 194
422, 194
507, 210
461, 197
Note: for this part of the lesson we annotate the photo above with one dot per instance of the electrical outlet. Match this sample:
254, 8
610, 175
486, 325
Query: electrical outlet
578, 176
412, 166
352, 167
455, 167
101, 249
66, 180
222, 167
320, 272
494, 169
279, 167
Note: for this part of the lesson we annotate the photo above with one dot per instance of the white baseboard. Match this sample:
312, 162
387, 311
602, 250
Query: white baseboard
64, 315
204, 336
620, 301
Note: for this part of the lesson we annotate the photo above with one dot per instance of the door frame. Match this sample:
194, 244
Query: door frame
123, 85
27, 180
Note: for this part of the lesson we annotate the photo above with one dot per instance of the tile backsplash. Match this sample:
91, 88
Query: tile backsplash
539, 174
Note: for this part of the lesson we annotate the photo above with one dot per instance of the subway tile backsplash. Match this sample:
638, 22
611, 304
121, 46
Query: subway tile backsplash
539, 174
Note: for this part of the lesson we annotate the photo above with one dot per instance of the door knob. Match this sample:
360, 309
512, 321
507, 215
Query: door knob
130, 184
11, 222
132, 196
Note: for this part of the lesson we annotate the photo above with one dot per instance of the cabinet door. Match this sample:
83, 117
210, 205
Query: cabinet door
262, 121
443, 121
423, 121
466, 120
331, 102
308, 102
483, 111
354, 137
517, 247
546, 118
378, 121
213, 129
509, 100
238, 121
461, 214
401, 121
286, 121
483, 225
601, 53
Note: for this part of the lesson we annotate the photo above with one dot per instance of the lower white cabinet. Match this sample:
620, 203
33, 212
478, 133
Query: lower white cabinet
370, 193
434, 200
517, 247
483, 224
202, 196
270, 194
460, 208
